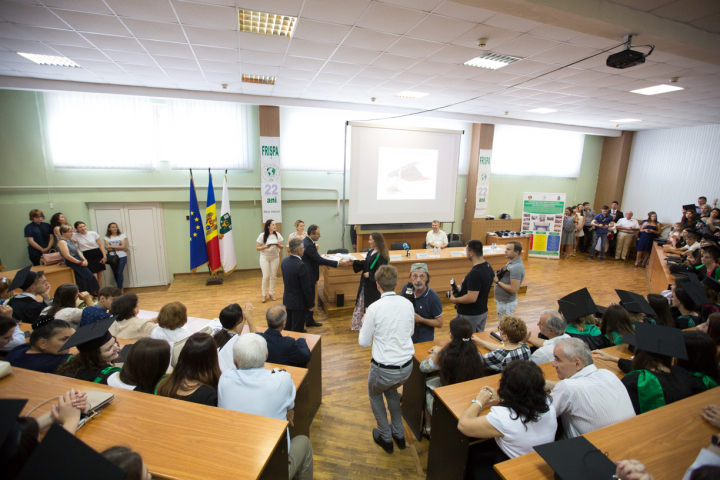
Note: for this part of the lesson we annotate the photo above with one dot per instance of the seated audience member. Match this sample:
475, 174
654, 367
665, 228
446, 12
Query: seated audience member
196, 374
709, 258
250, 388
512, 332
227, 330
145, 365
712, 328
75, 259
579, 311
652, 380
691, 245
98, 350
457, 362
131, 462
552, 325
171, 320
101, 310
64, 305
283, 350
436, 237
701, 351
10, 334
586, 398
26, 307
661, 307
712, 291
44, 353
689, 311
615, 323
676, 238
5, 293
522, 416
637, 308
427, 303
128, 326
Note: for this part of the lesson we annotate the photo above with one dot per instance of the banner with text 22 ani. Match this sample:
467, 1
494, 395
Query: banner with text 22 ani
543, 216
270, 179
483, 184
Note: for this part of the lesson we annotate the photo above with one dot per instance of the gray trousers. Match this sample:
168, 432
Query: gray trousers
385, 381
477, 321
300, 458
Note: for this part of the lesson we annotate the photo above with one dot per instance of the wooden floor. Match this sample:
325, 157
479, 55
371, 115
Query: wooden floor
341, 433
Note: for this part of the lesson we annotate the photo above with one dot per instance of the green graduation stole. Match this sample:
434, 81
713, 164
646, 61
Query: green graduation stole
709, 382
650, 394
105, 373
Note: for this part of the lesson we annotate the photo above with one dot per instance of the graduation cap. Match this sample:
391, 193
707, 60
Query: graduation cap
711, 283
576, 459
658, 339
635, 303
693, 287
23, 279
577, 305
91, 337
690, 206
712, 250
9, 412
62, 456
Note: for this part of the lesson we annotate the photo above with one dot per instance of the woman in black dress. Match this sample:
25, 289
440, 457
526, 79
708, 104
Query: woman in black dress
196, 375
367, 291
93, 249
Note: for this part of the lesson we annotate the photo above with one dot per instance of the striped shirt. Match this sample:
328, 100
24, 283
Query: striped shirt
497, 360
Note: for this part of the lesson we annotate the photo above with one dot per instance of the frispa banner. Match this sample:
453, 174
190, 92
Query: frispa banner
542, 216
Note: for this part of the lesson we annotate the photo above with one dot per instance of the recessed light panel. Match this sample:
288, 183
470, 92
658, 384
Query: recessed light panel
408, 94
626, 120
492, 61
259, 79
656, 90
543, 110
49, 60
266, 23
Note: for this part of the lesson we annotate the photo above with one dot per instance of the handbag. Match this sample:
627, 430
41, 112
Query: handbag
52, 257
112, 258
96, 401
5, 369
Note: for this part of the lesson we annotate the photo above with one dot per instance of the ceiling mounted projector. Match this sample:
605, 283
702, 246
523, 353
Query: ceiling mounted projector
628, 58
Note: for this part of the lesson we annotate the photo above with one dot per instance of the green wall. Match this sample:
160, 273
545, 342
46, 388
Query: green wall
22, 164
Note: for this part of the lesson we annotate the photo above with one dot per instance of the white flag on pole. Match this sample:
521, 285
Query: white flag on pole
227, 246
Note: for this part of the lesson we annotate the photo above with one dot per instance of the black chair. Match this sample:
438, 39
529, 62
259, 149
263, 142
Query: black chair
453, 237
337, 250
398, 246
366, 250
424, 245
455, 243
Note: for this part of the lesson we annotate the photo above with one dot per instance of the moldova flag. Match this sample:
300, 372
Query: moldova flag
211, 230
198, 248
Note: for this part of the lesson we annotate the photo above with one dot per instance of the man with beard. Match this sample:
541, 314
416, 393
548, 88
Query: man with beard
428, 307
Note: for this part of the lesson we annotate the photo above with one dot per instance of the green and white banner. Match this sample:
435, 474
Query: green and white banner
542, 217
482, 190
270, 178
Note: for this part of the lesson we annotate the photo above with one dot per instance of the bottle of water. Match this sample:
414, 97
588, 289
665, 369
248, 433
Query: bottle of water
494, 248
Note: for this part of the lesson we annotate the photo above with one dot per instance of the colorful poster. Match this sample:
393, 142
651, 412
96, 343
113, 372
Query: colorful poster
542, 217
270, 179
483, 184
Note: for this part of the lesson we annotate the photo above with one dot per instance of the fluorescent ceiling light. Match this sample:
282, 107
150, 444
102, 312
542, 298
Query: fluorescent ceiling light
492, 61
543, 110
408, 94
259, 79
49, 60
266, 23
626, 120
656, 89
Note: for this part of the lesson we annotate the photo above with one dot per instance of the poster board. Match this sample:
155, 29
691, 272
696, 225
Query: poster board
270, 165
542, 217
482, 191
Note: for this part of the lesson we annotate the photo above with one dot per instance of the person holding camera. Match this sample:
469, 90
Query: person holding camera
472, 297
508, 280
427, 303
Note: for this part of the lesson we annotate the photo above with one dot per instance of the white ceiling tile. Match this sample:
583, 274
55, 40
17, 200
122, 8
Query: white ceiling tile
250, 56
184, 74
142, 69
424, 5
332, 78
464, 12
342, 68
78, 53
394, 62
296, 74
412, 47
320, 31
409, 77
249, 69
199, 15
510, 22
19, 32
525, 46
223, 77
428, 67
144, 10
261, 43
353, 89
595, 42
606, 81
440, 29
554, 33
389, 19
377, 73
176, 62
101, 67
286, 81
155, 30
58, 37
354, 55
326, 88
491, 76
212, 66
228, 54
300, 63
549, 86
32, 67
462, 71
26, 46
345, 12
659, 69
89, 6
370, 39
365, 82
636, 85
495, 37
281, 7
131, 57
455, 54
29, 15
563, 54
213, 38
111, 42
398, 86
525, 67
305, 48
584, 76
92, 23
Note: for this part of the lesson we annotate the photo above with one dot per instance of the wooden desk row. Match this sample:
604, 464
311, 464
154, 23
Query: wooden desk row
657, 272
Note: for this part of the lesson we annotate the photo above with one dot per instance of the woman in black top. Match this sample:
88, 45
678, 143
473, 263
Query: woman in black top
662, 310
44, 353
196, 375
688, 310
98, 350
144, 367
367, 291
701, 350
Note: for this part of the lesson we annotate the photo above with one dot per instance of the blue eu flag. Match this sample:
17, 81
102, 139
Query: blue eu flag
198, 247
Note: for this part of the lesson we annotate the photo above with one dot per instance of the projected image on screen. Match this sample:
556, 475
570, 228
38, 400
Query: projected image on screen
407, 174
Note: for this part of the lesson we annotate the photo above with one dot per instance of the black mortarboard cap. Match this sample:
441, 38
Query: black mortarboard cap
576, 459
713, 250
90, 337
62, 456
635, 303
10, 410
711, 283
693, 287
23, 279
658, 339
577, 305
690, 206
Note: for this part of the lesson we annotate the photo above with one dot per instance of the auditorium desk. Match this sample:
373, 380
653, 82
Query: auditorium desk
666, 440
177, 439
658, 273
56, 275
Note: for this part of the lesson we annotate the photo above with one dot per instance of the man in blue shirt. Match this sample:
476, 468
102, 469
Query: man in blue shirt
427, 303
602, 223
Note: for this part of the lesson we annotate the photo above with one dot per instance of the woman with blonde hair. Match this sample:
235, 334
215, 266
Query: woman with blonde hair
367, 291
298, 233
74, 258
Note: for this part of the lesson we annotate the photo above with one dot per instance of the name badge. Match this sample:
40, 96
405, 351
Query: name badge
457, 254
395, 258
421, 255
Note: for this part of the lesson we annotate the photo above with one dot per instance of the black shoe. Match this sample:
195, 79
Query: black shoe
388, 447
590, 257
602, 259
314, 324
304, 330
400, 442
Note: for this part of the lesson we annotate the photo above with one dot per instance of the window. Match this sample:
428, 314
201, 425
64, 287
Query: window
536, 152
116, 131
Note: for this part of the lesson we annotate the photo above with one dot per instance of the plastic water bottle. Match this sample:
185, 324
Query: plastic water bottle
494, 248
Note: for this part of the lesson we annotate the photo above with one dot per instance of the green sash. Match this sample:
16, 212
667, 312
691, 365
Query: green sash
105, 373
650, 393
709, 382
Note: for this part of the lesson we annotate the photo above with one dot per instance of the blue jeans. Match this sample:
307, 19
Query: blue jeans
118, 271
604, 238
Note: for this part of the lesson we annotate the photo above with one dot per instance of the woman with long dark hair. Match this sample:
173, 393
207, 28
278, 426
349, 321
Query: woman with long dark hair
196, 375
98, 352
64, 306
649, 229
616, 322
689, 316
57, 221
131, 462
662, 309
43, 353
269, 244
689, 219
74, 258
144, 366
522, 417
116, 241
367, 291
128, 325
457, 362
701, 350
228, 328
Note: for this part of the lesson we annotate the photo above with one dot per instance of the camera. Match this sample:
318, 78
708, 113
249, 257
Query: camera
501, 273
454, 287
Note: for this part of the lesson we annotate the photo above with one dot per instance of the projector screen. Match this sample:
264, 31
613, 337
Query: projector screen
402, 175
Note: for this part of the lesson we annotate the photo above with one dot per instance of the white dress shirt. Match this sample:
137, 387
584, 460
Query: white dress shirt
439, 238
624, 222
18, 338
388, 325
544, 354
591, 399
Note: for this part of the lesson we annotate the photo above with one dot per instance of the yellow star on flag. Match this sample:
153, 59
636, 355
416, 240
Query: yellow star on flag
194, 235
192, 213
198, 227
197, 219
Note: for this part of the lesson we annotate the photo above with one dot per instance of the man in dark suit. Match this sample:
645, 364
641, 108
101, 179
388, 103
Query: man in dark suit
298, 297
283, 350
313, 260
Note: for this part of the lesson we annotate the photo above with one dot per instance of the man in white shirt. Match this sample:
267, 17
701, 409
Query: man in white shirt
388, 325
586, 398
626, 227
552, 325
253, 389
436, 237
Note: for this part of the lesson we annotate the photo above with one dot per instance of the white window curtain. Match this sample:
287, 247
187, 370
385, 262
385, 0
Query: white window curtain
536, 152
